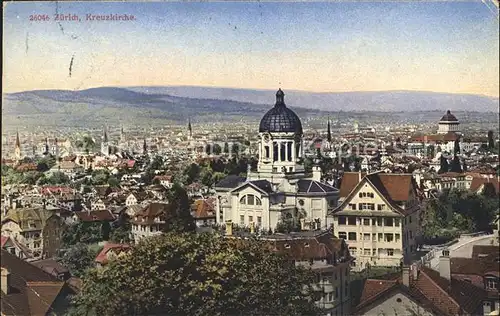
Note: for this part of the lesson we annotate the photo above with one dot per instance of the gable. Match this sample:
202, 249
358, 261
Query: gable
395, 303
248, 188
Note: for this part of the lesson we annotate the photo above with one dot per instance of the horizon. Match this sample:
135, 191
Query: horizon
332, 47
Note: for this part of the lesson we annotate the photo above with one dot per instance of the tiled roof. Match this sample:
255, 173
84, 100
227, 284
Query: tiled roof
152, 211
478, 250
204, 208
33, 291
102, 257
478, 182
264, 185
398, 186
95, 216
4, 240
349, 182
50, 266
430, 290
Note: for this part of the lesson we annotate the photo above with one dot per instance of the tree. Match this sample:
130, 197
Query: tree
192, 173
226, 148
31, 177
113, 182
491, 141
217, 149
199, 274
78, 259
157, 163
444, 164
58, 178
121, 230
182, 220
82, 232
100, 177
456, 147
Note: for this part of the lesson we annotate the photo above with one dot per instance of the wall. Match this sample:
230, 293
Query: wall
397, 305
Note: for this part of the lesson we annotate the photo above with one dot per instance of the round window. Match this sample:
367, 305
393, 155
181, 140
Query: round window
301, 202
398, 300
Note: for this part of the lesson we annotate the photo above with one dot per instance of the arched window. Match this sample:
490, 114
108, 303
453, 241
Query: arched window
266, 149
250, 199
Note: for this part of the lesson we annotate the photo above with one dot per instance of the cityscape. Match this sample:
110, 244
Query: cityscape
250, 158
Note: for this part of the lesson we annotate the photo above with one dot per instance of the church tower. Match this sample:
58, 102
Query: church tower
46, 150
144, 147
190, 130
17, 150
281, 142
122, 135
105, 143
329, 132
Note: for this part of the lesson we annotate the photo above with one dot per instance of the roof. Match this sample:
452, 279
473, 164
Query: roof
4, 240
429, 289
280, 118
230, 182
33, 291
264, 185
448, 117
479, 182
103, 257
28, 218
95, 216
153, 210
204, 208
349, 182
312, 186
50, 266
484, 260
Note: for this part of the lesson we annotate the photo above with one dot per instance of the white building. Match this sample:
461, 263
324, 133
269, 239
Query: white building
280, 190
379, 217
448, 123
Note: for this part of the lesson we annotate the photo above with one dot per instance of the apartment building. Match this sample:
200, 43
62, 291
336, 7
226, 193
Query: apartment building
379, 217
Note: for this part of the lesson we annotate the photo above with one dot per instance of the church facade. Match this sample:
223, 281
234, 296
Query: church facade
280, 190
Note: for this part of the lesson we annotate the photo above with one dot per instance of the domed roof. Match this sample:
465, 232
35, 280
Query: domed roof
448, 117
280, 118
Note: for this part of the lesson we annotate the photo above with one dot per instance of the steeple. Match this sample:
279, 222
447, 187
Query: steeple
329, 132
280, 98
105, 135
190, 129
18, 142
46, 151
144, 147
17, 150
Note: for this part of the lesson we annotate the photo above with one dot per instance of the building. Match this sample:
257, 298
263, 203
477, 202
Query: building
327, 255
379, 217
280, 190
448, 123
203, 211
110, 252
37, 229
150, 221
28, 290
419, 290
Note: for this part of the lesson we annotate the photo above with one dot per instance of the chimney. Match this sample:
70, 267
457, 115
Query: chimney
229, 228
302, 223
252, 228
316, 174
414, 270
359, 176
406, 276
444, 265
5, 281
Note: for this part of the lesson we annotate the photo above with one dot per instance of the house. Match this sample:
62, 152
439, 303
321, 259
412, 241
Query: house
327, 256
419, 290
150, 221
27, 290
13, 247
69, 168
379, 217
165, 180
110, 252
94, 216
136, 198
36, 228
203, 211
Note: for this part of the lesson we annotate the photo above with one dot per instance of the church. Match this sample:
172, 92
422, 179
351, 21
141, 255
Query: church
280, 190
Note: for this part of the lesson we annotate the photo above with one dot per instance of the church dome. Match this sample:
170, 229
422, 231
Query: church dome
448, 117
280, 118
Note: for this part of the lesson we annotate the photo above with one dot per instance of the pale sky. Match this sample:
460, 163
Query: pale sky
333, 46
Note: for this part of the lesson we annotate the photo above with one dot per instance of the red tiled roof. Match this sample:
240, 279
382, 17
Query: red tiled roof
4, 240
204, 208
95, 216
349, 182
478, 182
102, 257
397, 185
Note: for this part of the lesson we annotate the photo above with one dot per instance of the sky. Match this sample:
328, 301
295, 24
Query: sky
321, 47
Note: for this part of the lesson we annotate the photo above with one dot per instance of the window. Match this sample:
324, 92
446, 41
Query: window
367, 251
388, 237
343, 235
243, 200
251, 199
379, 221
491, 283
12, 250
266, 148
258, 201
342, 220
411, 234
388, 221
390, 252
351, 220
374, 252
259, 221
380, 236
374, 237
374, 221
366, 237
352, 236
398, 237
336, 292
242, 220
380, 207
360, 195
396, 222
353, 250
352, 206
330, 297
366, 221
409, 218
250, 219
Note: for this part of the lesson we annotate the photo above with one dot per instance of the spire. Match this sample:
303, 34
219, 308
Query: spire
280, 98
190, 129
329, 132
18, 142
144, 147
105, 136
46, 145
